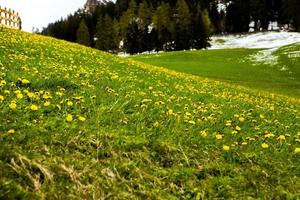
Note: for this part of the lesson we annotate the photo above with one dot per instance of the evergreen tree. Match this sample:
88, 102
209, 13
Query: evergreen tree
202, 29
105, 34
183, 26
163, 27
83, 36
238, 17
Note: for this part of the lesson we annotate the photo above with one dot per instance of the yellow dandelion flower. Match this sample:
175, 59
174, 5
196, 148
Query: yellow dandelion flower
262, 116
82, 119
241, 119
13, 105
238, 128
70, 103
6, 92
264, 145
25, 81
269, 135
11, 131
34, 107
1, 98
20, 96
47, 103
192, 122
226, 148
203, 133
2, 83
281, 138
69, 118
219, 137
297, 150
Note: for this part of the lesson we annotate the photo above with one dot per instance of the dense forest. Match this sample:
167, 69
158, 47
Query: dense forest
136, 26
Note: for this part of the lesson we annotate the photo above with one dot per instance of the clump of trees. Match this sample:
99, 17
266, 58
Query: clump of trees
146, 25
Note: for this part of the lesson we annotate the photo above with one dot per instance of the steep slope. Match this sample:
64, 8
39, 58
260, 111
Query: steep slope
77, 123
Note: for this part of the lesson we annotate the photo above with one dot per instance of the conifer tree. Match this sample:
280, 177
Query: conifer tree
183, 26
105, 34
163, 27
83, 36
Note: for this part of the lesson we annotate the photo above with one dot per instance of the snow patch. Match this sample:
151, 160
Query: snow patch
265, 57
260, 40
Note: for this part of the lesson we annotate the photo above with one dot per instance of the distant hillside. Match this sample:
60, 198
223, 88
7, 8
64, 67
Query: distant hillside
77, 123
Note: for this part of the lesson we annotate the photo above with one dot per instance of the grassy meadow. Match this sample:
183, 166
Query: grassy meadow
246, 67
77, 123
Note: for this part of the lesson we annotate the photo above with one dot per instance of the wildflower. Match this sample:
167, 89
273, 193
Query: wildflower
25, 81
6, 92
2, 83
238, 128
47, 103
192, 122
226, 148
82, 119
156, 124
219, 137
1, 98
264, 145
281, 138
13, 105
241, 119
11, 131
203, 133
20, 96
69, 118
297, 150
269, 135
70, 103
34, 108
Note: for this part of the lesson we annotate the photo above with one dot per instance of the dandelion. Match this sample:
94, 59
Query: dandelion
69, 118
13, 105
281, 138
82, 119
1, 98
297, 150
11, 131
34, 107
156, 124
47, 103
226, 148
20, 96
241, 119
264, 145
203, 133
238, 128
2, 83
25, 81
70, 103
219, 137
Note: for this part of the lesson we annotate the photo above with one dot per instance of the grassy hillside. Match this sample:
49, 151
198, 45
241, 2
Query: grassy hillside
77, 123
254, 68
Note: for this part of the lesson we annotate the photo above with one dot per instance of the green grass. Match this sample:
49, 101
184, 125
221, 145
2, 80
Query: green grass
148, 133
234, 66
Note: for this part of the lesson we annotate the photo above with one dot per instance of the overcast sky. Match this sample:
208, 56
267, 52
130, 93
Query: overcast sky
38, 13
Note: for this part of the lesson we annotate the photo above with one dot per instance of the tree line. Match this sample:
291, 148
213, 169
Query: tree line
137, 26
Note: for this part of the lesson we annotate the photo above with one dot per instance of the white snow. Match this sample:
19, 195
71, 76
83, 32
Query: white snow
260, 40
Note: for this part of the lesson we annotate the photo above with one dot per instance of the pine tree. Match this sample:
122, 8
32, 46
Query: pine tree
202, 29
183, 26
83, 36
106, 34
163, 27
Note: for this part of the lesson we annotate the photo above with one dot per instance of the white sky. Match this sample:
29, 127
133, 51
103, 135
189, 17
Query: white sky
38, 13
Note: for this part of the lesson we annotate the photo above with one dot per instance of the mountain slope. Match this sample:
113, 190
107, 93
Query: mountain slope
78, 123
